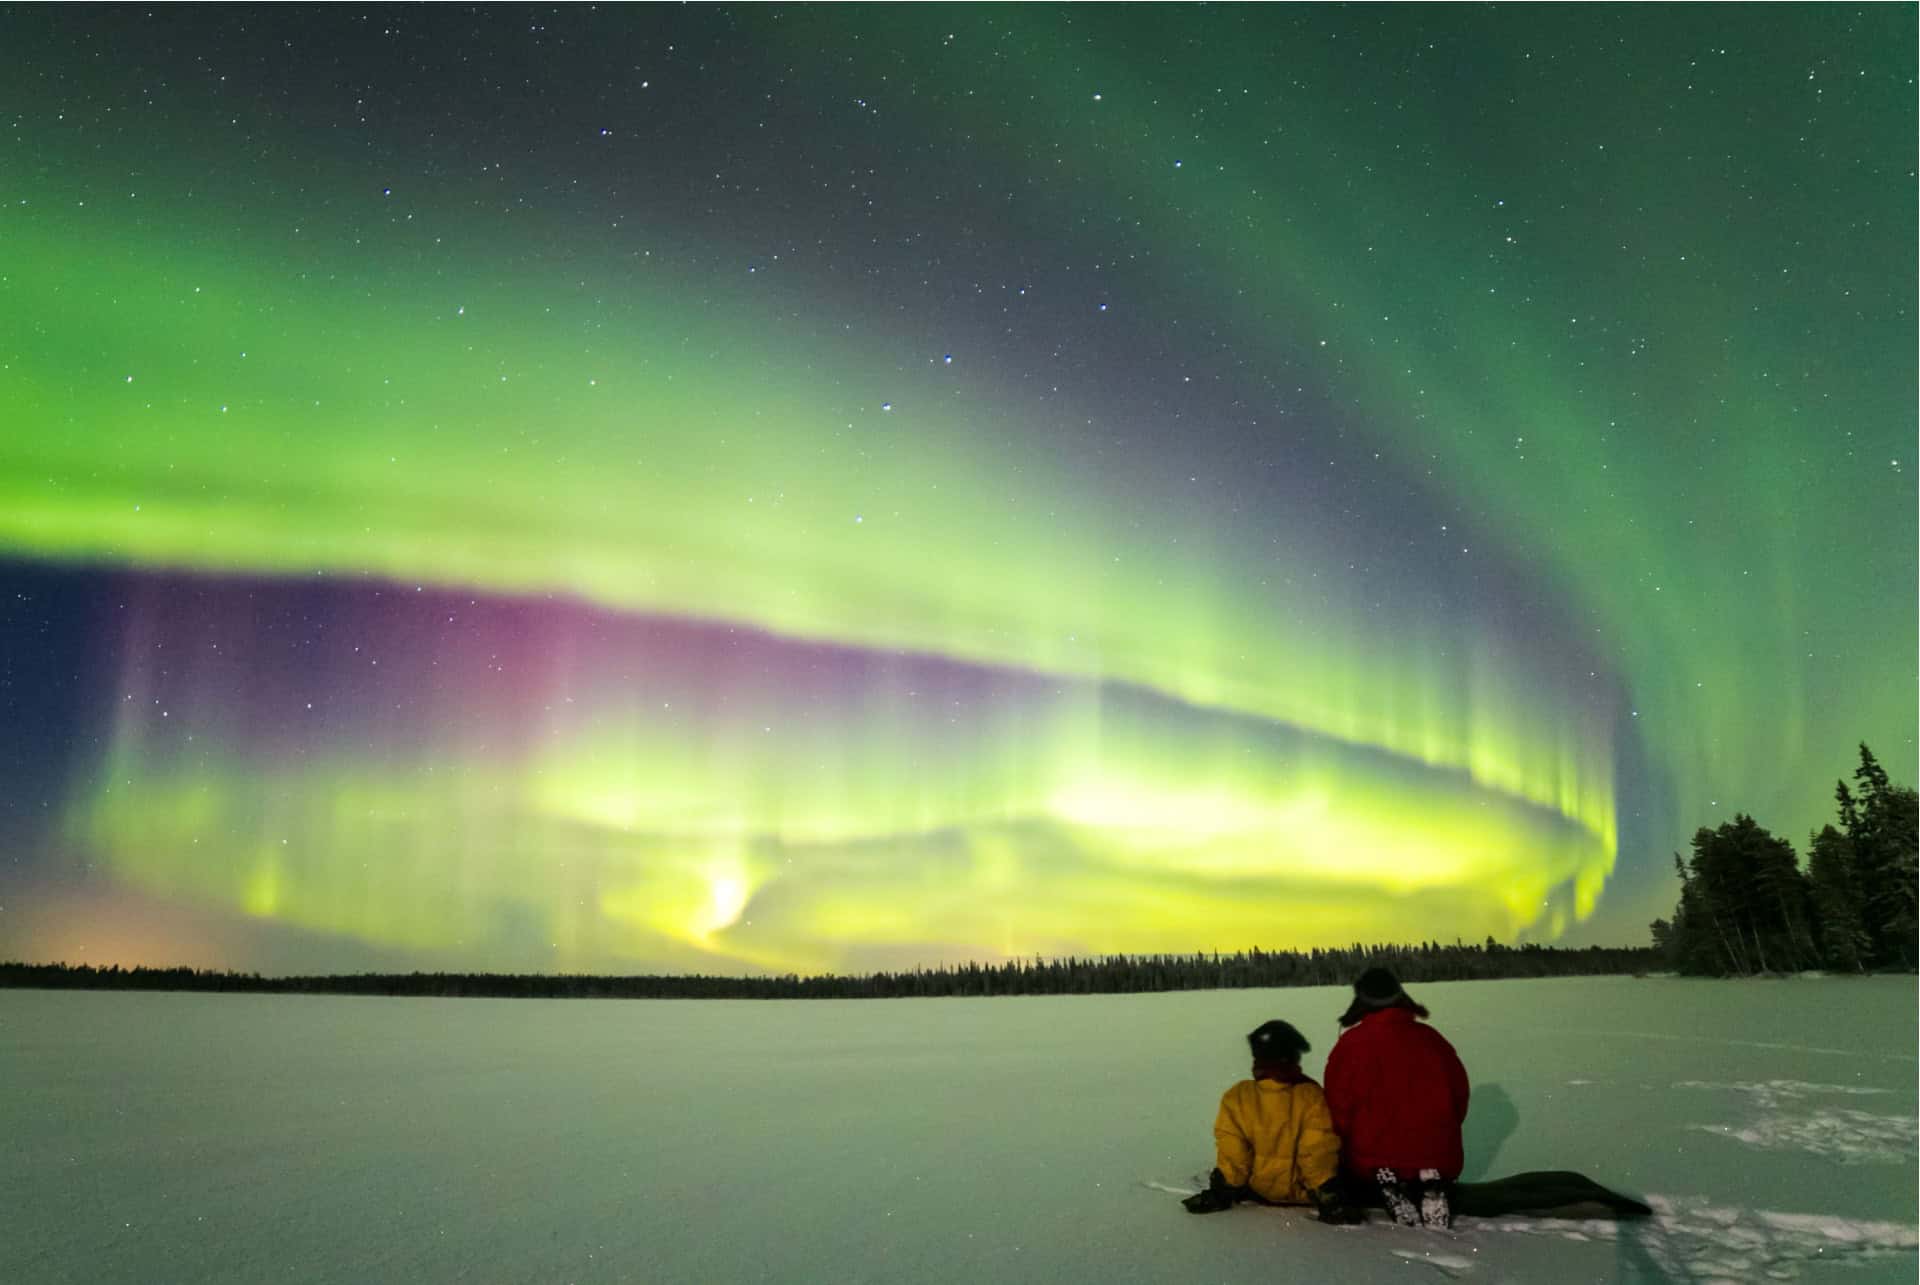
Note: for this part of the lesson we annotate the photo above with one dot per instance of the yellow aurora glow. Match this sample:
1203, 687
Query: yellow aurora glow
789, 833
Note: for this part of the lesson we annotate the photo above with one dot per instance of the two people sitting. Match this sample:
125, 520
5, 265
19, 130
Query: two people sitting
1385, 1131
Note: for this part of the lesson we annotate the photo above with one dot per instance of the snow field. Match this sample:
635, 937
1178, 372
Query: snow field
248, 1138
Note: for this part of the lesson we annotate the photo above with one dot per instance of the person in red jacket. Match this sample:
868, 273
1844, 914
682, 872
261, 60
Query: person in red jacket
1398, 1096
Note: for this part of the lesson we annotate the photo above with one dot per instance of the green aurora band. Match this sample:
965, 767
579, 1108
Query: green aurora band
581, 790
605, 487
1207, 733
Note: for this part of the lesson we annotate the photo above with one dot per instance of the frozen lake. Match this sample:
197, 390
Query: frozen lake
248, 1138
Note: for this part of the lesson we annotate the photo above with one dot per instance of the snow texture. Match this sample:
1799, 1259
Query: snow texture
247, 1138
1789, 1115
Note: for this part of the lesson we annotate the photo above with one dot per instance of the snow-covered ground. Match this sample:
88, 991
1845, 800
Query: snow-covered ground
159, 1138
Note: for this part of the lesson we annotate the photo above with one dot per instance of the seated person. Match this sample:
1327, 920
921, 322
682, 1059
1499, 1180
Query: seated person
1273, 1138
1398, 1094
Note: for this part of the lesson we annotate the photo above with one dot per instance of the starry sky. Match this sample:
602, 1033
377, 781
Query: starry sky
840, 488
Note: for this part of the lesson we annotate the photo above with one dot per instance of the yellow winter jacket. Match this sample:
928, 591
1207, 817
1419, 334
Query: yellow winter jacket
1276, 1138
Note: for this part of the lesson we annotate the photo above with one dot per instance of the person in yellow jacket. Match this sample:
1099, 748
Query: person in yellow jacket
1273, 1138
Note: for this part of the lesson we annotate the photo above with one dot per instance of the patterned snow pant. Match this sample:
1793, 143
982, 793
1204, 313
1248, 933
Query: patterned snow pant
1424, 1200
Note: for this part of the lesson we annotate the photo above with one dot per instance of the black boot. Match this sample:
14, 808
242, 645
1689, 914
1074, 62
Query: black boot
1436, 1208
1399, 1204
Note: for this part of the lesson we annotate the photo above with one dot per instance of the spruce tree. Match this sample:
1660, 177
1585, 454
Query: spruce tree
1700, 945
1744, 888
1662, 933
1782, 904
1837, 902
1880, 825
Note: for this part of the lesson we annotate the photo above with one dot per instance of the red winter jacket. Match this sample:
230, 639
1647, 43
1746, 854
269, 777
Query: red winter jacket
1398, 1094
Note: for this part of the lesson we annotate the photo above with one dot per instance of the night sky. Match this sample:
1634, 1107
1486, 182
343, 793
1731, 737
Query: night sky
847, 488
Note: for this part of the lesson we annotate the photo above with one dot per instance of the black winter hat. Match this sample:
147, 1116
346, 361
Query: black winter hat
1377, 988
1276, 1041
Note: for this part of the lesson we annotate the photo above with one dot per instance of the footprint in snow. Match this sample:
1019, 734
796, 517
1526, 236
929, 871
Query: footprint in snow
1690, 1238
1784, 1117
1445, 1264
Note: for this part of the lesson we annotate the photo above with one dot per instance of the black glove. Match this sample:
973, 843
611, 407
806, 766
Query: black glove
1218, 1196
1210, 1201
1332, 1208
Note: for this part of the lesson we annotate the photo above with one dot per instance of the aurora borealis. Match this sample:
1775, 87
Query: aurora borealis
841, 488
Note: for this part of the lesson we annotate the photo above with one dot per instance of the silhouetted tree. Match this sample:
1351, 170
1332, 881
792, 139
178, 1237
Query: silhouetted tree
1661, 931
1880, 823
1837, 902
1743, 903
1070, 976
1746, 907
1781, 904
1697, 943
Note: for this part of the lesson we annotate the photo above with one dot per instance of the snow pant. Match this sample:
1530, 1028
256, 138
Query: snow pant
1551, 1193
1420, 1199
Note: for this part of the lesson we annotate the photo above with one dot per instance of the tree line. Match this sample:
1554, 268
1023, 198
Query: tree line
1105, 975
1747, 906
